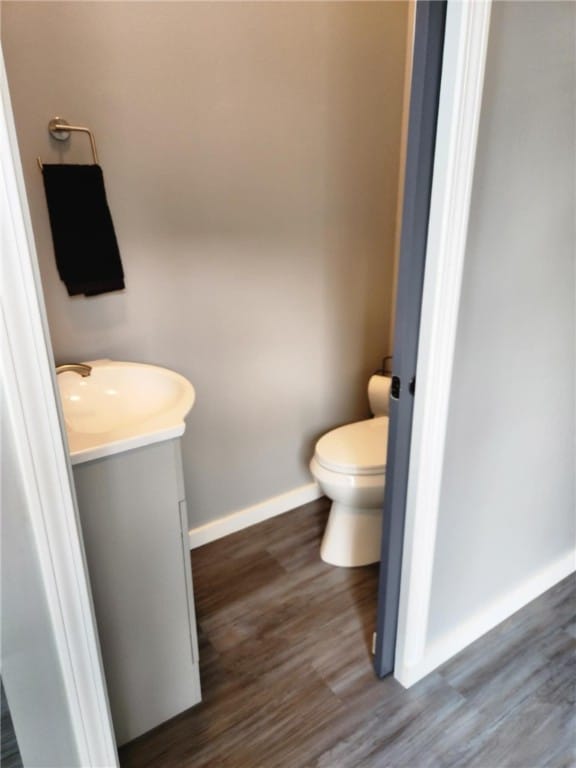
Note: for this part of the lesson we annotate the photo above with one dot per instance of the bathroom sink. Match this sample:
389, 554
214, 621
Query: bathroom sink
120, 406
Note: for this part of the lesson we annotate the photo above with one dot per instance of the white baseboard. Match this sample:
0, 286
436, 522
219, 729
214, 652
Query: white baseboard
454, 641
244, 518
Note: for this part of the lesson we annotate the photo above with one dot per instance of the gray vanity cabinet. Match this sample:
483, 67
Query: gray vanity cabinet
134, 523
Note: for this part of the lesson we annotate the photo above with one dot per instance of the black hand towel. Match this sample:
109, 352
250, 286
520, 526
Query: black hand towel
85, 243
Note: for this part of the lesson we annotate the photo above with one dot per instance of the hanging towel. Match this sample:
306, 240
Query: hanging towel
85, 243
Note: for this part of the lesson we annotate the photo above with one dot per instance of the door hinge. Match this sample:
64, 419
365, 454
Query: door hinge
373, 643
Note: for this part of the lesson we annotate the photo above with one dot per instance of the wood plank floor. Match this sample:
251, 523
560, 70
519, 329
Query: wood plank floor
288, 682
9, 752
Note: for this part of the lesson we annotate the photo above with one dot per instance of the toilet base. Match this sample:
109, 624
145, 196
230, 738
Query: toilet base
352, 536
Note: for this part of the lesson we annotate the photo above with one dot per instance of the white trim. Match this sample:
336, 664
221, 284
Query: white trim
464, 62
486, 619
244, 518
28, 381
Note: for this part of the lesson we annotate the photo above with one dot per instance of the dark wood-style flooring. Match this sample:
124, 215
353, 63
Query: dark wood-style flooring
288, 683
9, 752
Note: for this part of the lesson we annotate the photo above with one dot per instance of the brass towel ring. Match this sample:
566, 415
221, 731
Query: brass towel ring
60, 129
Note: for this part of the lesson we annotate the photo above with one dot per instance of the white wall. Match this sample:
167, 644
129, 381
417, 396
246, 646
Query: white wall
250, 152
507, 519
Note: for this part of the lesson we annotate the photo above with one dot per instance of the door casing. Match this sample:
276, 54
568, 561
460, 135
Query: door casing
424, 98
408, 552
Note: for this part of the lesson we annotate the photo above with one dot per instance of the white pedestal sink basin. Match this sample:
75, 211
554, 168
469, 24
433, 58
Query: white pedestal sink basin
122, 405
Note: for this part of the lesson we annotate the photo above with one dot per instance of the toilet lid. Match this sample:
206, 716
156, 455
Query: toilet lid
355, 449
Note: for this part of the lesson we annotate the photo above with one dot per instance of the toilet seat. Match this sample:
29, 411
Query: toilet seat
355, 449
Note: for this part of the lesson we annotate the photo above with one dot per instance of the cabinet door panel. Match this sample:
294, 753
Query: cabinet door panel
130, 513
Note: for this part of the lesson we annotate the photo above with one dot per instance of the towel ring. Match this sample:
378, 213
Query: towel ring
60, 130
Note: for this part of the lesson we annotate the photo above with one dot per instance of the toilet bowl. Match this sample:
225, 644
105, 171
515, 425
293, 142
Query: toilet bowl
349, 464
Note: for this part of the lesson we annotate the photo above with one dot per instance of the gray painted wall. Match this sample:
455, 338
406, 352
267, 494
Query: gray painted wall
250, 152
508, 498
31, 671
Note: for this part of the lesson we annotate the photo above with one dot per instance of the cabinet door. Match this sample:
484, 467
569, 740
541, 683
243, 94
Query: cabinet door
131, 520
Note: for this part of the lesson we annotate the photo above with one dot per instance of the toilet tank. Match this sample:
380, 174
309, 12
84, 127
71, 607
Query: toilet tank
379, 394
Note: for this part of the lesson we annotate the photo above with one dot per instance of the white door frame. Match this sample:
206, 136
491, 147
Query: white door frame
28, 381
28, 388
463, 67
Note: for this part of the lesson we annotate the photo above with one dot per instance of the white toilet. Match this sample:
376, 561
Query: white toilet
349, 464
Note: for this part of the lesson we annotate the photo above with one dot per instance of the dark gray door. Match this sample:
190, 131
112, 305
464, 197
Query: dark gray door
425, 89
